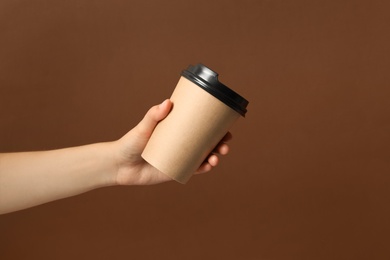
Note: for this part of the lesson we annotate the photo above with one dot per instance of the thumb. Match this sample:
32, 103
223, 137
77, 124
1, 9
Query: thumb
152, 117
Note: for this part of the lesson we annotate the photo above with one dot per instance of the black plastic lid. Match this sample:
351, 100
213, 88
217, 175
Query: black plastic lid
208, 80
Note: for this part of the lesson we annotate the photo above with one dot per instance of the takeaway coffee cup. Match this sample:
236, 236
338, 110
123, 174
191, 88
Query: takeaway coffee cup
203, 111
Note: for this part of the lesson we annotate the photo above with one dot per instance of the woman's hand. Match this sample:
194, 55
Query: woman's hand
133, 169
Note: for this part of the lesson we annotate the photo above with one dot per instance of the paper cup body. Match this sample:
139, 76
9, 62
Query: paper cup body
183, 140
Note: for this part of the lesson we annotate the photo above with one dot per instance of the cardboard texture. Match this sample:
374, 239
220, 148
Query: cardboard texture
182, 141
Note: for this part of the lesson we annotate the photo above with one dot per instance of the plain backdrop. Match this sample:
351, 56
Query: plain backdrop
308, 173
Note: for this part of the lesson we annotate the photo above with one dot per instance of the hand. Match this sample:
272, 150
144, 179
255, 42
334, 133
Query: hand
132, 169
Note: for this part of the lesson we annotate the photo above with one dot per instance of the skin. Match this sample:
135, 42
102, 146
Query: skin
28, 179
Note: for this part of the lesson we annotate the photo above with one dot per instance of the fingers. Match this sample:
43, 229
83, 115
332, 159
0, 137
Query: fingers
212, 160
222, 148
205, 167
152, 117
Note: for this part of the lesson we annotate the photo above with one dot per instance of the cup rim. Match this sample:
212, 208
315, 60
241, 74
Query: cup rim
207, 79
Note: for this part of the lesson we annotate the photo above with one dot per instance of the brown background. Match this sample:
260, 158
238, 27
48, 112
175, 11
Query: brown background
308, 173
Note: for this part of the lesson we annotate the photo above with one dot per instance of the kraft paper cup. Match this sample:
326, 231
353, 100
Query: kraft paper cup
203, 111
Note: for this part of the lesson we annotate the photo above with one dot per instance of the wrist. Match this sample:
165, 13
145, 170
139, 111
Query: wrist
101, 166
109, 164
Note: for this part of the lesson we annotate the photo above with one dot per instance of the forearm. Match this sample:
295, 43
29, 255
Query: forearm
32, 178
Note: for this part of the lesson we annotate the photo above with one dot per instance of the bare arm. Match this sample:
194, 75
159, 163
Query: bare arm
32, 178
